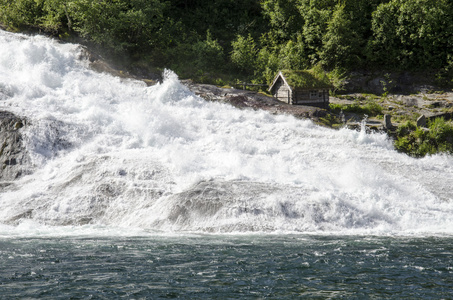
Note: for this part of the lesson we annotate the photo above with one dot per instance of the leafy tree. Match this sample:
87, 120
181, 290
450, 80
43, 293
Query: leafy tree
244, 53
293, 55
284, 17
313, 31
412, 33
119, 24
208, 53
19, 13
267, 65
341, 43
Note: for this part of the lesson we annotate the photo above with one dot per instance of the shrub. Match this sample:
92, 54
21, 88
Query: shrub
369, 109
208, 53
244, 53
419, 142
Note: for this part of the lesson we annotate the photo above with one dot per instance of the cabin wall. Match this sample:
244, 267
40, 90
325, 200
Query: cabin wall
282, 92
311, 96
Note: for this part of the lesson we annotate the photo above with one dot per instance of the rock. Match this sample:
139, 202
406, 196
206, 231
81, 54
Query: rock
399, 83
13, 156
388, 122
376, 85
244, 99
421, 121
412, 102
436, 104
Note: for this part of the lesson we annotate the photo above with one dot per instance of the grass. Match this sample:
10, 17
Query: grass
370, 109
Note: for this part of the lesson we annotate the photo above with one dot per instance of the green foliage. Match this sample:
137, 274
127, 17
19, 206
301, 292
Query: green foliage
291, 55
337, 78
314, 29
419, 142
244, 53
313, 78
267, 65
331, 120
284, 18
341, 44
412, 33
208, 53
20, 13
370, 109
254, 39
120, 25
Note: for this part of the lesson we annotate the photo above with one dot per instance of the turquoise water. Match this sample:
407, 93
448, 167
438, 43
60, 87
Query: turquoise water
227, 267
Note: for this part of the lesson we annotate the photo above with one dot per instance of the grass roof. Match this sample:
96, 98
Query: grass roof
313, 78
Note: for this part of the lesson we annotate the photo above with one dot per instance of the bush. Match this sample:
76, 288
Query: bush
244, 53
419, 142
208, 53
370, 109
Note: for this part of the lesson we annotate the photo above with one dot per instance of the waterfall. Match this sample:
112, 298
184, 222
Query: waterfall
114, 152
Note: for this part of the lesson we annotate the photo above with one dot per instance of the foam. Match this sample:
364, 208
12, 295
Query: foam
112, 152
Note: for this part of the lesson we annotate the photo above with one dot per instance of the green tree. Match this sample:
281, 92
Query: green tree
19, 13
341, 43
284, 18
314, 28
293, 56
267, 65
208, 53
412, 34
119, 24
244, 53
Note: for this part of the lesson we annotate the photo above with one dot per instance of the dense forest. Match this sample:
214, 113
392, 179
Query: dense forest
252, 39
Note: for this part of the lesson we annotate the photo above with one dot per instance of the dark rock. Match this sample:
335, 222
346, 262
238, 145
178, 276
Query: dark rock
238, 101
436, 104
244, 99
421, 121
13, 157
380, 82
388, 122
320, 113
376, 85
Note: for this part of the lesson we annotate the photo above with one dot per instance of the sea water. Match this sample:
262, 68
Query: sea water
141, 191
226, 267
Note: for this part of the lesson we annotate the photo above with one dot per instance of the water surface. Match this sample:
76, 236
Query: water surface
227, 267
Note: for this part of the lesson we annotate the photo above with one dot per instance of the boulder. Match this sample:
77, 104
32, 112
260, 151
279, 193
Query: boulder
421, 121
13, 156
388, 122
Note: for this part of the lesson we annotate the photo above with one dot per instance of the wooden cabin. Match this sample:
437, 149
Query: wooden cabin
301, 87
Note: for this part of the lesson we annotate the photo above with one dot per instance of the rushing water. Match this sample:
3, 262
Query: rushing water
151, 191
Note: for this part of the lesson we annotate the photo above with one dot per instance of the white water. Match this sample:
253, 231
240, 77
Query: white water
111, 153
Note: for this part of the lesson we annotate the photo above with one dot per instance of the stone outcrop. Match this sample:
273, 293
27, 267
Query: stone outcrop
13, 156
395, 83
253, 100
